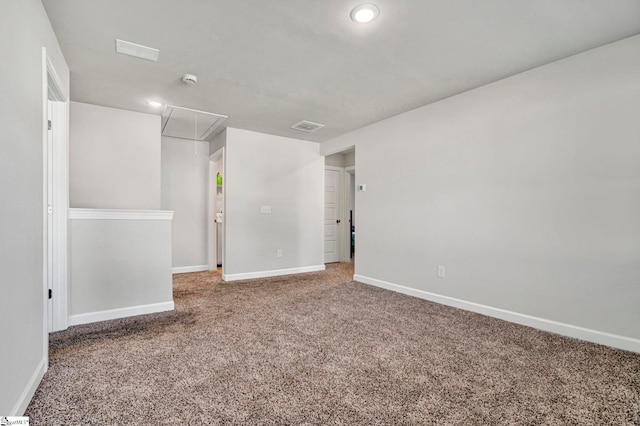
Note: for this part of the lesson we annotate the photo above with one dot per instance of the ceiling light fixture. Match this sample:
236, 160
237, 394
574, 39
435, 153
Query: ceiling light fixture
364, 13
154, 104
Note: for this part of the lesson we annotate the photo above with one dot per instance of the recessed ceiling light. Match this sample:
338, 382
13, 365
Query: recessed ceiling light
154, 104
364, 13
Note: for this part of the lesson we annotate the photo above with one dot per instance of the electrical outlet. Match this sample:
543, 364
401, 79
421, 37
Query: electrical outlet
441, 271
279, 253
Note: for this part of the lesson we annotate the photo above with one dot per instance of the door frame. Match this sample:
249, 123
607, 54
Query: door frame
341, 212
55, 106
212, 246
349, 180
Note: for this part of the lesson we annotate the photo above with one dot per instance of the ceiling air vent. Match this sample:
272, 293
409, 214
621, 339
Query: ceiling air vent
137, 50
307, 126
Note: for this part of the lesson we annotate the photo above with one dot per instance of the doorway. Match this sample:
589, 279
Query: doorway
216, 208
339, 206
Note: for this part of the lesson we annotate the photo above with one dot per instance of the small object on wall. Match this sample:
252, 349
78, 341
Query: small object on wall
362, 188
219, 179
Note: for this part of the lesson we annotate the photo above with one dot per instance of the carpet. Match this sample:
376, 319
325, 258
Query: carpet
320, 349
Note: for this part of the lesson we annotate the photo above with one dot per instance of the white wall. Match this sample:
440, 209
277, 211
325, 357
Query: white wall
218, 142
185, 173
527, 190
286, 174
341, 160
24, 30
334, 160
120, 264
114, 158
349, 159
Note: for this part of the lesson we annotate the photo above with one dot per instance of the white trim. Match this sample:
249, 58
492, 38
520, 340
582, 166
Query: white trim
274, 273
211, 225
97, 214
60, 134
55, 88
336, 150
187, 269
30, 389
595, 336
345, 242
130, 311
45, 262
56, 154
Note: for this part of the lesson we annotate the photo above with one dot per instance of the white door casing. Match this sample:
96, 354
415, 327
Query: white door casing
49, 207
216, 203
55, 197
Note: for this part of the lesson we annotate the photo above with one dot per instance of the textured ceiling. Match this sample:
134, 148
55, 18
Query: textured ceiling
270, 64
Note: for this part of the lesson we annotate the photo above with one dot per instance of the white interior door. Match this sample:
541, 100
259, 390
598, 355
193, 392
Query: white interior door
55, 197
49, 258
331, 215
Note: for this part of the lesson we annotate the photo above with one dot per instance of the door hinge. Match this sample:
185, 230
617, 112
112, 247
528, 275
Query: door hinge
50, 294
49, 124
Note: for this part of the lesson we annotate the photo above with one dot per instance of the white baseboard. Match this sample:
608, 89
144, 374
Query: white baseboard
274, 273
120, 313
30, 389
187, 269
600, 337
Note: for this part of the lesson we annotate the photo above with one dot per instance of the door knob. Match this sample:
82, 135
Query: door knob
338, 221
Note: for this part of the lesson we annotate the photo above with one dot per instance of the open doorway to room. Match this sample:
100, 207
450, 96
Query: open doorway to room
215, 217
339, 206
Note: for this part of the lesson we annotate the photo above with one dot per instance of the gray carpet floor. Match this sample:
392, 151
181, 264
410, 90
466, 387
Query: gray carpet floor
318, 348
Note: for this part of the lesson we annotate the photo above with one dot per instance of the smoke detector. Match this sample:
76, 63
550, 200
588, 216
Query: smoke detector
190, 79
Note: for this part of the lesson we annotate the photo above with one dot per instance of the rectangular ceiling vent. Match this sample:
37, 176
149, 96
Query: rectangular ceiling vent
307, 126
137, 50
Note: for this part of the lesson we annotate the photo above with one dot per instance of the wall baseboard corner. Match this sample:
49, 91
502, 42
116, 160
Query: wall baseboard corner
569, 330
187, 269
130, 311
30, 389
273, 273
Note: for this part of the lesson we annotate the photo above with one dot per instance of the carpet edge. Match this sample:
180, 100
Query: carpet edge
569, 330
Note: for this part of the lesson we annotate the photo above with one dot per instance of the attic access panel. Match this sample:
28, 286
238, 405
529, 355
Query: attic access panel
186, 123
